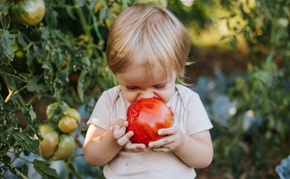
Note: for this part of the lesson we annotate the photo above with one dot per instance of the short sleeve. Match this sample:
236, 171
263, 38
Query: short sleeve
193, 115
101, 114
197, 117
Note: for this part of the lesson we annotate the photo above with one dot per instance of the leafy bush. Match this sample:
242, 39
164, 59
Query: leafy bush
60, 59
262, 96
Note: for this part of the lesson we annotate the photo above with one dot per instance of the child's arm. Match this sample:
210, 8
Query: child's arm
196, 150
101, 146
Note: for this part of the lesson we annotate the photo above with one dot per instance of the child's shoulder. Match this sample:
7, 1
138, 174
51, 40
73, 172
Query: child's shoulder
187, 96
185, 91
113, 90
112, 93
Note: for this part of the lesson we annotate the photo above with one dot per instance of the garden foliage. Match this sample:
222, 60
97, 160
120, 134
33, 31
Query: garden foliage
263, 95
60, 59
63, 59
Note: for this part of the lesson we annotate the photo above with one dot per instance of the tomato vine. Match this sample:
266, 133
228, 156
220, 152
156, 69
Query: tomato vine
62, 58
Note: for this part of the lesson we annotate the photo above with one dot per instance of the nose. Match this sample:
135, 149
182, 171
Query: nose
146, 94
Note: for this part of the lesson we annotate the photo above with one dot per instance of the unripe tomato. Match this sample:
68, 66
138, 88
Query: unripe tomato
50, 140
73, 113
55, 111
67, 124
19, 54
28, 12
65, 148
146, 117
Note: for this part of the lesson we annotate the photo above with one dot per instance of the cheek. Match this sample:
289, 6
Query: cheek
130, 96
166, 95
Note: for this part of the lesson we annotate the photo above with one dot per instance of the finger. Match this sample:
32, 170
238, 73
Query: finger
119, 128
167, 131
138, 150
134, 147
161, 149
163, 142
121, 122
118, 131
125, 138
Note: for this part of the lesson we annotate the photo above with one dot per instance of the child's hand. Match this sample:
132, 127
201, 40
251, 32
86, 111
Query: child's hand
119, 132
171, 142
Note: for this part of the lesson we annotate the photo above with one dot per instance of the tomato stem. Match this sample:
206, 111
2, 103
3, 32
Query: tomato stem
10, 83
85, 25
66, 168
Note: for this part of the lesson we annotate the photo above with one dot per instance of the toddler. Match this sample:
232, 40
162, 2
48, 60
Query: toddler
147, 50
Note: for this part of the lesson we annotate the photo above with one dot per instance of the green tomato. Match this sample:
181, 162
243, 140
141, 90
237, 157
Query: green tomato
65, 148
73, 113
55, 111
50, 140
28, 12
67, 124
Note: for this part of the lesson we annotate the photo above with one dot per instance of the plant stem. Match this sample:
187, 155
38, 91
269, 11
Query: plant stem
66, 168
85, 26
10, 83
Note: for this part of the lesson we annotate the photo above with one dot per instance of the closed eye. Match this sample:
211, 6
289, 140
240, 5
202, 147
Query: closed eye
131, 88
160, 87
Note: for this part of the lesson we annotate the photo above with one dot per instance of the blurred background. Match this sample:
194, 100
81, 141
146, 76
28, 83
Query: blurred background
241, 71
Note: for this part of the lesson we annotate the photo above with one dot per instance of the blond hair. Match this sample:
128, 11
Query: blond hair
148, 35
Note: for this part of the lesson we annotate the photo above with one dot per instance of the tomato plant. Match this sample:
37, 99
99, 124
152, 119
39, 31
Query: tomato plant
146, 116
56, 146
57, 142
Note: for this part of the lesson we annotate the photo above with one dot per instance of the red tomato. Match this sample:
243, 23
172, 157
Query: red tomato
146, 117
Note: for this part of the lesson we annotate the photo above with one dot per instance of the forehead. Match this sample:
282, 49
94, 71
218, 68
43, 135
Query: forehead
139, 76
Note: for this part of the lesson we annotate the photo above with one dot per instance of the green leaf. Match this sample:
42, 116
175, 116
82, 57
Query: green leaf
92, 4
34, 124
4, 8
44, 33
70, 12
32, 83
74, 170
21, 40
42, 167
37, 51
8, 70
81, 3
29, 57
27, 142
80, 87
7, 42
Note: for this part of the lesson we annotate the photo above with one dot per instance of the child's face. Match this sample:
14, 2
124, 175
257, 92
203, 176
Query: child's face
136, 84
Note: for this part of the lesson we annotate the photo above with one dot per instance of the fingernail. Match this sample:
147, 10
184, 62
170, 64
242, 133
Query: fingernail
160, 132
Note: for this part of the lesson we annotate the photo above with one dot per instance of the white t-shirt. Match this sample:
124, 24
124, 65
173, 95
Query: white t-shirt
190, 117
